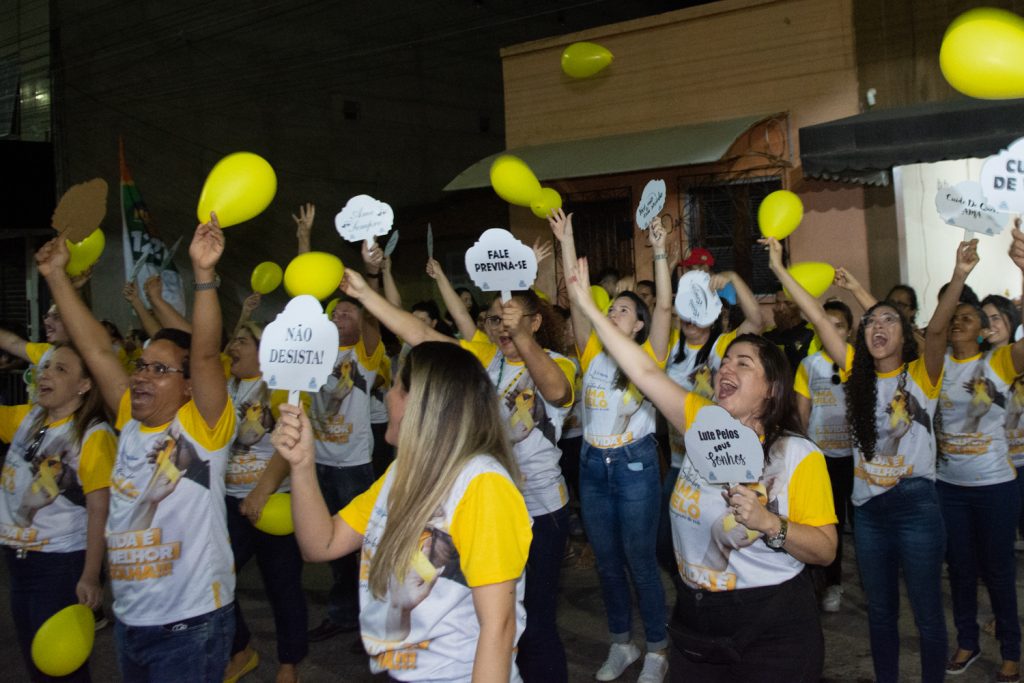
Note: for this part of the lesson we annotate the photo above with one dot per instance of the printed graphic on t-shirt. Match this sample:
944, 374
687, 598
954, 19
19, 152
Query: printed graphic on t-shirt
963, 437
526, 412
255, 422
1014, 428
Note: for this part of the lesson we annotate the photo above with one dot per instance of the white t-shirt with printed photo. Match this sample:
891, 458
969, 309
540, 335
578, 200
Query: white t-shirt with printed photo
821, 379
341, 410
256, 410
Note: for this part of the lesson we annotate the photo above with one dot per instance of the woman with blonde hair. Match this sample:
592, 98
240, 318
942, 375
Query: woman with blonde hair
444, 533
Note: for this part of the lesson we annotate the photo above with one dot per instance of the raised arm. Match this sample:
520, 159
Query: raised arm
87, 334
373, 261
661, 316
847, 281
251, 303
391, 292
209, 390
165, 313
753, 318
551, 382
641, 369
452, 301
935, 335
404, 324
304, 226
561, 228
131, 294
14, 345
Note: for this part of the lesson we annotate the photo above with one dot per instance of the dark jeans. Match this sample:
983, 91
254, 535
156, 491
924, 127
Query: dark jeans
620, 491
902, 529
1020, 490
339, 486
280, 565
980, 529
383, 452
193, 650
785, 644
541, 657
570, 465
840, 472
42, 584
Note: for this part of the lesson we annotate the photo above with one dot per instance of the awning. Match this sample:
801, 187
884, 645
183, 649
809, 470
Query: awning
863, 148
679, 146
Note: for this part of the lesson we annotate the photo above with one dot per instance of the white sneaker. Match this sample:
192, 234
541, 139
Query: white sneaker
832, 599
620, 656
655, 668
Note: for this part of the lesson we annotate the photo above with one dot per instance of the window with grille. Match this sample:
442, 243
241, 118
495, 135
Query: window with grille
603, 228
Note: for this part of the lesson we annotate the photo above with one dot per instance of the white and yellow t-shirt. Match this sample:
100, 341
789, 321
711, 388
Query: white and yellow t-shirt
256, 412
713, 551
612, 417
480, 536
168, 552
341, 409
698, 379
534, 425
42, 501
821, 379
971, 435
905, 446
378, 408
36, 352
1015, 420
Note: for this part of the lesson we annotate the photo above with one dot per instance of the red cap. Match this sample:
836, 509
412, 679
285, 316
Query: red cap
698, 257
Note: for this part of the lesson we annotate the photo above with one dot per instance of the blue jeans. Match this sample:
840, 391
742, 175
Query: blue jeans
665, 549
620, 498
42, 584
902, 528
195, 649
339, 485
541, 657
280, 565
981, 523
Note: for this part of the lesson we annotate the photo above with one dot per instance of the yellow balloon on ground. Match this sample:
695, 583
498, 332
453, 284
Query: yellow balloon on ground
779, 214
238, 188
545, 201
64, 642
513, 180
266, 277
583, 60
276, 518
316, 273
600, 297
86, 253
814, 276
982, 54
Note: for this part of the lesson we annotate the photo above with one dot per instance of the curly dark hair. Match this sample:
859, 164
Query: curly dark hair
862, 387
550, 335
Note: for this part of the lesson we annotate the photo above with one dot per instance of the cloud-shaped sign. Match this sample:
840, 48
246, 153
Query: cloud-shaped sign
964, 206
695, 302
364, 218
498, 262
298, 349
722, 449
652, 201
1002, 178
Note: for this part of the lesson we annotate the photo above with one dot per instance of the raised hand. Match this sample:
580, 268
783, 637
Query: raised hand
207, 245
845, 279
304, 221
153, 287
561, 224
373, 256
434, 270
1017, 246
774, 253
966, 257
130, 292
576, 284
52, 257
251, 303
542, 250
353, 284
656, 235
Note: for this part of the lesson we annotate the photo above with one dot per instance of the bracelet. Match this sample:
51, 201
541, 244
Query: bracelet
661, 257
212, 284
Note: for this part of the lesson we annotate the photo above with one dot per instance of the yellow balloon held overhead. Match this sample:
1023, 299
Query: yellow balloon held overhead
276, 518
316, 273
583, 60
266, 277
814, 276
546, 200
64, 642
600, 297
982, 54
513, 180
238, 188
779, 214
86, 253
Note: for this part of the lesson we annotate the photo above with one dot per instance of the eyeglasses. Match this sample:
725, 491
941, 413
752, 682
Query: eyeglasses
885, 319
158, 369
33, 448
493, 320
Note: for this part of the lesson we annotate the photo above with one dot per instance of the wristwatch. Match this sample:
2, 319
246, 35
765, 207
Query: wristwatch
778, 540
213, 284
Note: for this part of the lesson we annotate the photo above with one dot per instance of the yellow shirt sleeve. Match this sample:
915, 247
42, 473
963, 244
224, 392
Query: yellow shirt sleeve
483, 349
36, 350
124, 410
370, 361
357, 513
801, 383
590, 351
96, 461
692, 405
492, 531
569, 368
810, 493
210, 438
723, 341
1001, 361
10, 419
225, 364
918, 372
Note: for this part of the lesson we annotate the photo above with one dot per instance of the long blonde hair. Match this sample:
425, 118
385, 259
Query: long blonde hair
451, 415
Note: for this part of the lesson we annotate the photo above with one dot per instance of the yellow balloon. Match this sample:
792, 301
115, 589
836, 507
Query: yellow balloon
779, 214
238, 188
86, 253
316, 273
546, 200
583, 60
814, 276
982, 54
541, 295
64, 642
329, 309
513, 180
600, 297
276, 518
266, 277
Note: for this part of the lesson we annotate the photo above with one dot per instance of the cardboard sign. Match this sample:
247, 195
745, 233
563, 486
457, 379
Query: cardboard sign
498, 262
964, 206
695, 302
298, 349
81, 210
723, 450
652, 201
364, 218
1002, 178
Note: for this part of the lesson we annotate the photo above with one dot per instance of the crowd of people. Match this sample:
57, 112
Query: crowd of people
442, 465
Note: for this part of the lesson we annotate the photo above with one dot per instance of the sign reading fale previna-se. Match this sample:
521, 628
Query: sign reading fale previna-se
364, 218
652, 201
722, 449
1002, 178
964, 206
298, 349
498, 262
